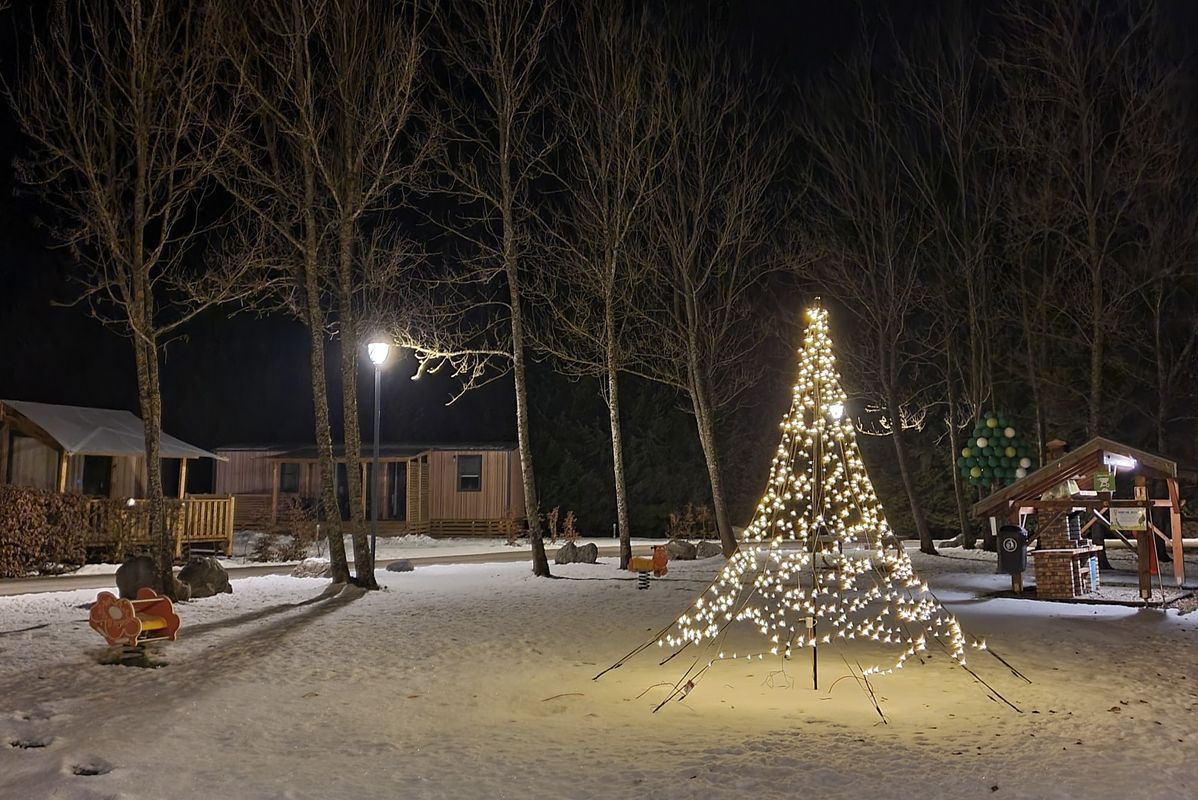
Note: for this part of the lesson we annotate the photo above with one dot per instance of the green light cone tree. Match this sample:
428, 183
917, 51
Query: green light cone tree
818, 563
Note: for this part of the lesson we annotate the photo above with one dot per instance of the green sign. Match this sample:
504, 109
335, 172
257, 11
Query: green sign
1104, 482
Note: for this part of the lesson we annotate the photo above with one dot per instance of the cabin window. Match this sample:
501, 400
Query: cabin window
97, 476
470, 473
289, 477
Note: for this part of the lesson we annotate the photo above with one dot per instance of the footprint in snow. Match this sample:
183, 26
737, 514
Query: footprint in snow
91, 766
31, 742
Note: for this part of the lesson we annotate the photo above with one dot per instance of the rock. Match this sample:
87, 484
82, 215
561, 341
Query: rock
680, 550
402, 565
206, 576
566, 554
136, 573
708, 549
588, 553
140, 572
313, 568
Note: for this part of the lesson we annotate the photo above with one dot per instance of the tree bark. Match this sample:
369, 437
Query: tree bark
363, 558
968, 540
700, 403
617, 445
150, 401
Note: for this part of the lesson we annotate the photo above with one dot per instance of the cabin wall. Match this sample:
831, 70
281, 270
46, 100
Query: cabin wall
246, 472
498, 493
33, 464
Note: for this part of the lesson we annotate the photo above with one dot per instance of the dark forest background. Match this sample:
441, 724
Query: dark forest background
242, 377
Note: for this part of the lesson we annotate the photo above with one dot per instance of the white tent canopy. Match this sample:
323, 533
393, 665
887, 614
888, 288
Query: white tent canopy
99, 431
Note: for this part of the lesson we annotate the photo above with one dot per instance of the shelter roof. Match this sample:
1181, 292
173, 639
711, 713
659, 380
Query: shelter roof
96, 431
1092, 457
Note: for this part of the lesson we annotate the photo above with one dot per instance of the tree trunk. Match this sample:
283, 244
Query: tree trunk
363, 559
324, 450
968, 540
150, 401
617, 447
532, 508
926, 545
705, 424
540, 563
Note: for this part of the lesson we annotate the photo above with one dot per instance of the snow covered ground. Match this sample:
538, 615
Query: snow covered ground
475, 681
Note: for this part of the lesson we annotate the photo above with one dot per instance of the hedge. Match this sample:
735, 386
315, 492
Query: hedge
40, 531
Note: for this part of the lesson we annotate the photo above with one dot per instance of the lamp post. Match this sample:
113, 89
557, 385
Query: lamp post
377, 350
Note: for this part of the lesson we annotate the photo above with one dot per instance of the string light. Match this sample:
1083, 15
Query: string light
819, 551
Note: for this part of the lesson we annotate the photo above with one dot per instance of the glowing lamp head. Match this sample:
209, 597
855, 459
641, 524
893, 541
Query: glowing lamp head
836, 411
378, 351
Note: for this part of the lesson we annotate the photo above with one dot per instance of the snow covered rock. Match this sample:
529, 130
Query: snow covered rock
312, 568
708, 549
680, 550
588, 553
570, 553
206, 577
401, 565
140, 571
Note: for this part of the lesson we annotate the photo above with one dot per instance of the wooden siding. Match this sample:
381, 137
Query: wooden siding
246, 472
33, 464
497, 496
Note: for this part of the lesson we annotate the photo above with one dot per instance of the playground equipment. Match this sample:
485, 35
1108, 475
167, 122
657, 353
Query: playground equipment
133, 623
643, 565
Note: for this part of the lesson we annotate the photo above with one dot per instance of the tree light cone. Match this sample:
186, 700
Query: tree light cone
819, 546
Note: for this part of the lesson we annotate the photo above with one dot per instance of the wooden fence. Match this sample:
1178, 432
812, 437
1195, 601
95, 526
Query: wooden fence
119, 527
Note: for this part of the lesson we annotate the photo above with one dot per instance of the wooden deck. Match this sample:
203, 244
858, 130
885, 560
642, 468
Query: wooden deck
198, 520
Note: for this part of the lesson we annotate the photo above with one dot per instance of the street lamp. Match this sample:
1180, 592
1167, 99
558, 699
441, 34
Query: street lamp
378, 351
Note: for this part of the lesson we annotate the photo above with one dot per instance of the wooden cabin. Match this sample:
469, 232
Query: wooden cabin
434, 489
100, 453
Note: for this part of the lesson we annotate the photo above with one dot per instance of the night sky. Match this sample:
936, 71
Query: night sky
240, 378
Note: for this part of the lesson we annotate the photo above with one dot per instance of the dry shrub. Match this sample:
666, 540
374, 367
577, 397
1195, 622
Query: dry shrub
292, 538
569, 532
693, 522
40, 531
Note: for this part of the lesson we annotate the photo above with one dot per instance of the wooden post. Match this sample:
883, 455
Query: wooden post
1017, 582
182, 478
1144, 541
229, 516
63, 461
274, 492
1179, 564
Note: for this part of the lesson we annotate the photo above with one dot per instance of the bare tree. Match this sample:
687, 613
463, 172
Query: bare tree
329, 90
365, 159
714, 235
495, 116
1088, 74
117, 100
608, 111
872, 240
941, 91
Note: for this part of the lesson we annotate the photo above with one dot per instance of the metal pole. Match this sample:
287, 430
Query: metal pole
374, 481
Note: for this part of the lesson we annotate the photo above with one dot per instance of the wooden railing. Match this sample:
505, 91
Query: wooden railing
120, 526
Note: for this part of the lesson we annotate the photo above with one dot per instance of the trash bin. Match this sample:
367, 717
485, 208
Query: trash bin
1012, 549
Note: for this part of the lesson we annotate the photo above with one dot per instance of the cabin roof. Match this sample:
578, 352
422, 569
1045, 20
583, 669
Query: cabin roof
392, 450
95, 431
1085, 461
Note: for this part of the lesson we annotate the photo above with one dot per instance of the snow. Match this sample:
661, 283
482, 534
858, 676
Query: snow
463, 681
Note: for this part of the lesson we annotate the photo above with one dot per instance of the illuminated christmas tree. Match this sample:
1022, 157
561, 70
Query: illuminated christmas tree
818, 565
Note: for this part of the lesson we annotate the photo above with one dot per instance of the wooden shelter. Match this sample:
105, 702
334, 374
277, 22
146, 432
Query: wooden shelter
440, 489
100, 453
1041, 493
